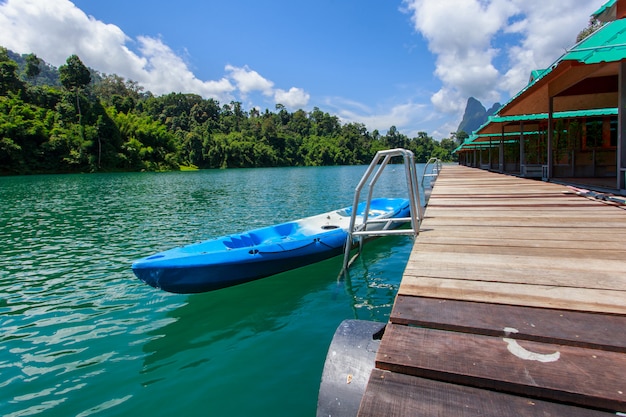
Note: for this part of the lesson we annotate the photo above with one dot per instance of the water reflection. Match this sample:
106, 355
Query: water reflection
372, 284
237, 313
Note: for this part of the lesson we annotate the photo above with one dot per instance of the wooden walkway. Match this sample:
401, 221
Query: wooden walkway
513, 303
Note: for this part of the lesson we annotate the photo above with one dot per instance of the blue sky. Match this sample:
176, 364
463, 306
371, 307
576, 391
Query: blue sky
407, 63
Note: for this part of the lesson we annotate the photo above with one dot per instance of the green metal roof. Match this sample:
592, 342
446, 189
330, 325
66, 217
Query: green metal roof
506, 134
558, 115
607, 44
534, 74
603, 12
481, 145
470, 143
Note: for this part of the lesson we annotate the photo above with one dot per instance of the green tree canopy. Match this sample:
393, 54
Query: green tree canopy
74, 74
9, 80
32, 66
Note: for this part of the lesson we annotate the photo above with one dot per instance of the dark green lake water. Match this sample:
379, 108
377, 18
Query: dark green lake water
81, 336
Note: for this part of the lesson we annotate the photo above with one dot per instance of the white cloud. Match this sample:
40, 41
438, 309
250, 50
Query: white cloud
248, 80
166, 72
402, 116
487, 48
295, 98
56, 29
542, 43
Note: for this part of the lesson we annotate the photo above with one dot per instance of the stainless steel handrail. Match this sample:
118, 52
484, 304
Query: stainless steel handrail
435, 168
374, 171
431, 171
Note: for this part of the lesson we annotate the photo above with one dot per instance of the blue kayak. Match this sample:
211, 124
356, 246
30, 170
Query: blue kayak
242, 257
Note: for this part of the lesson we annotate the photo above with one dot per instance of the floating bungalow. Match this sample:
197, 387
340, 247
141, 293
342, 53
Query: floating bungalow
569, 123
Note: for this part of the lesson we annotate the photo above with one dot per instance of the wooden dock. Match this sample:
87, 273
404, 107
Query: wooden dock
513, 303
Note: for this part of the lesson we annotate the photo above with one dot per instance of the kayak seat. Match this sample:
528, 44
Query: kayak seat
239, 241
285, 229
233, 243
273, 234
378, 206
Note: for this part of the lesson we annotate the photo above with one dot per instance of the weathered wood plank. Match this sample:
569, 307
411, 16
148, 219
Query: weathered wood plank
596, 331
551, 271
568, 214
460, 234
587, 377
517, 221
563, 298
548, 200
598, 245
395, 395
512, 255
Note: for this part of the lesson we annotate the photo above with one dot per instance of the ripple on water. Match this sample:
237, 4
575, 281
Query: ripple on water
79, 335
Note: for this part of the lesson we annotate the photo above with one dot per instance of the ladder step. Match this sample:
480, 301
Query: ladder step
393, 219
385, 232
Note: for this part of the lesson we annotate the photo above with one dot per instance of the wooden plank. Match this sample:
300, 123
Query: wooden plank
396, 395
547, 200
595, 331
587, 377
572, 216
460, 234
517, 221
546, 271
549, 206
569, 213
509, 195
503, 194
600, 301
574, 256
598, 245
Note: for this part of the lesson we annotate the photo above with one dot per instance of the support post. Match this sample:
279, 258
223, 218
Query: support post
621, 128
501, 152
522, 157
550, 136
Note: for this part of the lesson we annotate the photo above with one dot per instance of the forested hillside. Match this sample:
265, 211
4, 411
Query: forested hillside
73, 119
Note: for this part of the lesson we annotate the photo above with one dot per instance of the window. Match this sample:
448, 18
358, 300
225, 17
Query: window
593, 133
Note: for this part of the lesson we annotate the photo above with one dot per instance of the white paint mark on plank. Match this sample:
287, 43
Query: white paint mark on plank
522, 353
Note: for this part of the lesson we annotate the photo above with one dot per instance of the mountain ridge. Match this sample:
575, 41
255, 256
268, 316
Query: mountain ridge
475, 115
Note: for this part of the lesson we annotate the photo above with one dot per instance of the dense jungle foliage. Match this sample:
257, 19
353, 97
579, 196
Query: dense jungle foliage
73, 119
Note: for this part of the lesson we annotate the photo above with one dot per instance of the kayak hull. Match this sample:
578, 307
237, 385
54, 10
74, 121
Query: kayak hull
243, 257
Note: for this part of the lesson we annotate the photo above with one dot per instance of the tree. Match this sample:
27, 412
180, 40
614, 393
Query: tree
459, 137
9, 80
74, 76
395, 139
32, 66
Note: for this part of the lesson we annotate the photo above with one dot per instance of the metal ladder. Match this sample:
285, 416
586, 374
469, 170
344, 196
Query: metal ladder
374, 171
